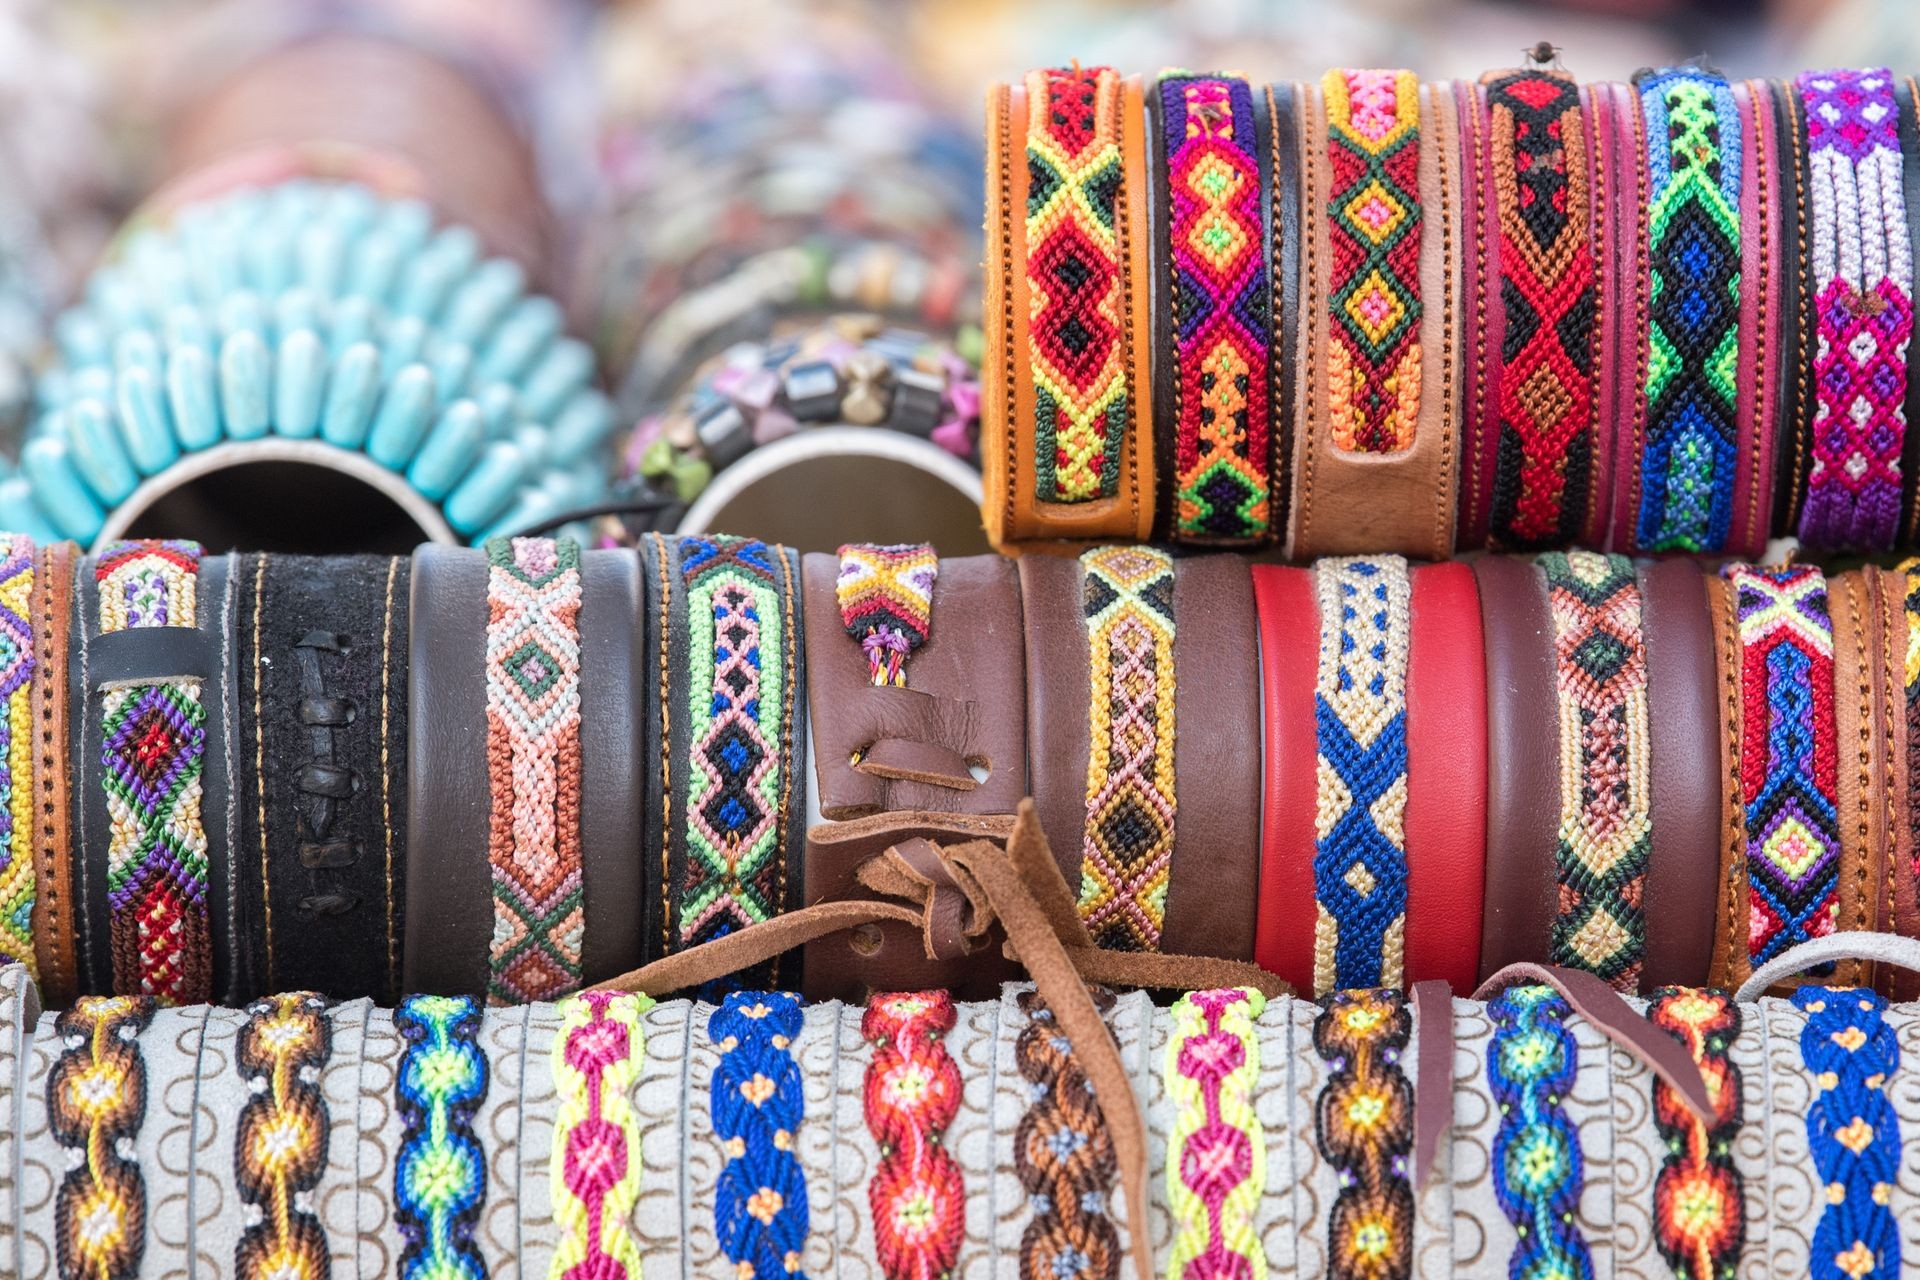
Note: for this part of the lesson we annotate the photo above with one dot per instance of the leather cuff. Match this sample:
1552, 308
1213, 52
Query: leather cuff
1763, 329
1730, 915
1289, 618
54, 924
1862, 774
1793, 440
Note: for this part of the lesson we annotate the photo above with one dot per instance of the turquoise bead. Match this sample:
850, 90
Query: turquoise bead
142, 403
58, 490
534, 443
187, 327
299, 383
352, 392
433, 274
376, 264
98, 453
406, 341
20, 512
405, 413
242, 312
137, 349
193, 393
451, 449
500, 406
294, 310
527, 331
581, 426
245, 390
567, 367
82, 338
488, 488
353, 323
323, 259
452, 365
482, 300
531, 508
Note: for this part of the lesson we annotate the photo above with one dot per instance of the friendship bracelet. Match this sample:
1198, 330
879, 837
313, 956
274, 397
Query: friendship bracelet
911, 1096
594, 1169
1360, 721
96, 1104
1690, 455
760, 1209
1699, 1195
1862, 267
1606, 818
886, 602
440, 1172
1532, 1060
280, 1144
18, 887
1217, 310
533, 768
153, 740
1363, 1124
1127, 854
1788, 756
1853, 1130
1063, 1153
1216, 1179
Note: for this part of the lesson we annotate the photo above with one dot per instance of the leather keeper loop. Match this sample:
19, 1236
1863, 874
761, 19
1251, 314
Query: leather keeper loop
328, 855
329, 713
326, 780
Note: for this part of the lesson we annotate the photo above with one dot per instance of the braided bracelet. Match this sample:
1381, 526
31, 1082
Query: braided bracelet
17, 666
1537, 1175
1363, 1123
1862, 269
1063, 1153
1215, 1181
911, 1096
886, 601
1699, 1195
533, 768
594, 1168
1853, 1131
760, 1210
440, 1173
280, 1143
96, 1104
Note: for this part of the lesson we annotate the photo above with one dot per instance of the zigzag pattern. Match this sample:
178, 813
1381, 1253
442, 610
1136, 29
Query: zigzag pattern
1360, 722
886, 602
17, 662
533, 768
1606, 762
1128, 849
1699, 1197
1788, 759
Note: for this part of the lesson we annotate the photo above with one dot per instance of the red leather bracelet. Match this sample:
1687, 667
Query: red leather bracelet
1289, 656
1446, 820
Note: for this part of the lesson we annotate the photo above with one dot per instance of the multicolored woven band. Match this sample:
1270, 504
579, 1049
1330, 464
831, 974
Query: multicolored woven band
533, 768
153, 744
1788, 756
17, 885
1853, 1131
1606, 762
760, 1208
1363, 1123
1222, 314
1537, 155
1373, 233
912, 1094
1216, 1179
1360, 725
1688, 458
1127, 858
1699, 1197
886, 602
1537, 1166
1063, 1154
1076, 260
96, 1103
440, 1177
280, 1146
1861, 264
594, 1172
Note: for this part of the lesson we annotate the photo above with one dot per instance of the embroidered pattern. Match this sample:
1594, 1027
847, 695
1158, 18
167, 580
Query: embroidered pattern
1862, 265
1373, 237
533, 768
1128, 852
280, 1148
886, 602
440, 1178
1537, 1174
1221, 313
737, 698
760, 1205
1606, 794
1699, 1207
1360, 720
594, 1172
96, 1103
1063, 1154
1364, 1125
1789, 760
1537, 151
1694, 153
1215, 1182
918, 1199
1075, 258
1853, 1131
153, 743
17, 661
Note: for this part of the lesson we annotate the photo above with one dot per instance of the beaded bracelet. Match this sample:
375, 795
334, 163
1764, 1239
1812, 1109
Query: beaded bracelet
18, 879
96, 1105
1853, 1131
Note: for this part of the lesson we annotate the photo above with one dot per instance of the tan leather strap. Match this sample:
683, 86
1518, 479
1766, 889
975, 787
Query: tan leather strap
53, 935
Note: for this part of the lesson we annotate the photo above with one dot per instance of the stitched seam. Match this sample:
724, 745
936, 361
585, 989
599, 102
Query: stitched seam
1863, 760
53, 695
1730, 680
386, 770
1477, 425
1010, 400
1762, 369
260, 761
1605, 343
666, 747
1447, 157
1312, 149
1803, 330
791, 655
1641, 288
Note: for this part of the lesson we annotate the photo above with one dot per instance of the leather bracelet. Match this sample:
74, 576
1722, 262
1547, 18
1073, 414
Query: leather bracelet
1731, 920
1286, 221
1626, 268
1794, 441
1482, 313
1068, 305
1613, 294
1763, 329
616, 693
53, 908
1687, 785
962, 714
322, 731
664, 802
1862, 776
1213, 329
1376, 428
1289, 618
1446, 777
1884, 593
19, 887
1903, 590
1906, 97
1523, 754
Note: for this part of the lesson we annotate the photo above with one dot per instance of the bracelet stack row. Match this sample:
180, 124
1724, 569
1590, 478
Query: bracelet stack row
1374, 313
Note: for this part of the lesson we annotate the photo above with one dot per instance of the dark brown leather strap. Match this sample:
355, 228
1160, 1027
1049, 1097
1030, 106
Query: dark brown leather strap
1682, 689
614, 701
1730, 899
1058, 690
53, 907
1284, 103
1523, 762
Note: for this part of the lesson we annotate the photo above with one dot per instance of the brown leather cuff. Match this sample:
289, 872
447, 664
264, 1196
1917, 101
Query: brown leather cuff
882, 749
1860, 750
1730, 929
54, 939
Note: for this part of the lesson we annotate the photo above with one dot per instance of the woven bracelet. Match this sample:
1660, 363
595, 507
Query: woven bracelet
886, 601
440, 1171
1063, 1152
757, 1099
910, 1097
1853, 1131
1212, 1062
1363, 1122
1699, 1195
1532, 1061
17, 665
280, 1142
594, 1167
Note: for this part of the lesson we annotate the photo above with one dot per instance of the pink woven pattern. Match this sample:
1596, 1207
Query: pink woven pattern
1218, 1180
595, 1172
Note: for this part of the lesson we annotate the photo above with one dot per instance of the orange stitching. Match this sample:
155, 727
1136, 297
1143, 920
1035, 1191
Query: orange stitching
792, 656
1640, 300
666, 746
1803, 361
1478, 418
1448, 155
260, 763
1309, 200
386, 772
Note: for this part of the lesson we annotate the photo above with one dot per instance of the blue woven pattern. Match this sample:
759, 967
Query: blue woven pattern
1852, 1131
1537, 1174
440, 1179
760, 1205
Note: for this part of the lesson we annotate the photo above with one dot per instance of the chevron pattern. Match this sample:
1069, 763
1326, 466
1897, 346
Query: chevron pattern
886, 602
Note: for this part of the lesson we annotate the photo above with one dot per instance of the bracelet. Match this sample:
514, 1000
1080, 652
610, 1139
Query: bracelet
18, 880
1063, 1152
1864, 777
1764, 323
1606, 819
886, 603
1363, 1124
440, 1172
593, 1173
1853, 1130
1532, 1061
1215, 1182
1906, 99
1699, 1195
281, 1054
760, 1210
1862, 267
1905, 873
912, 1094
1289, 619
55, 935
1794, 442
96, 1105
1215, 317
